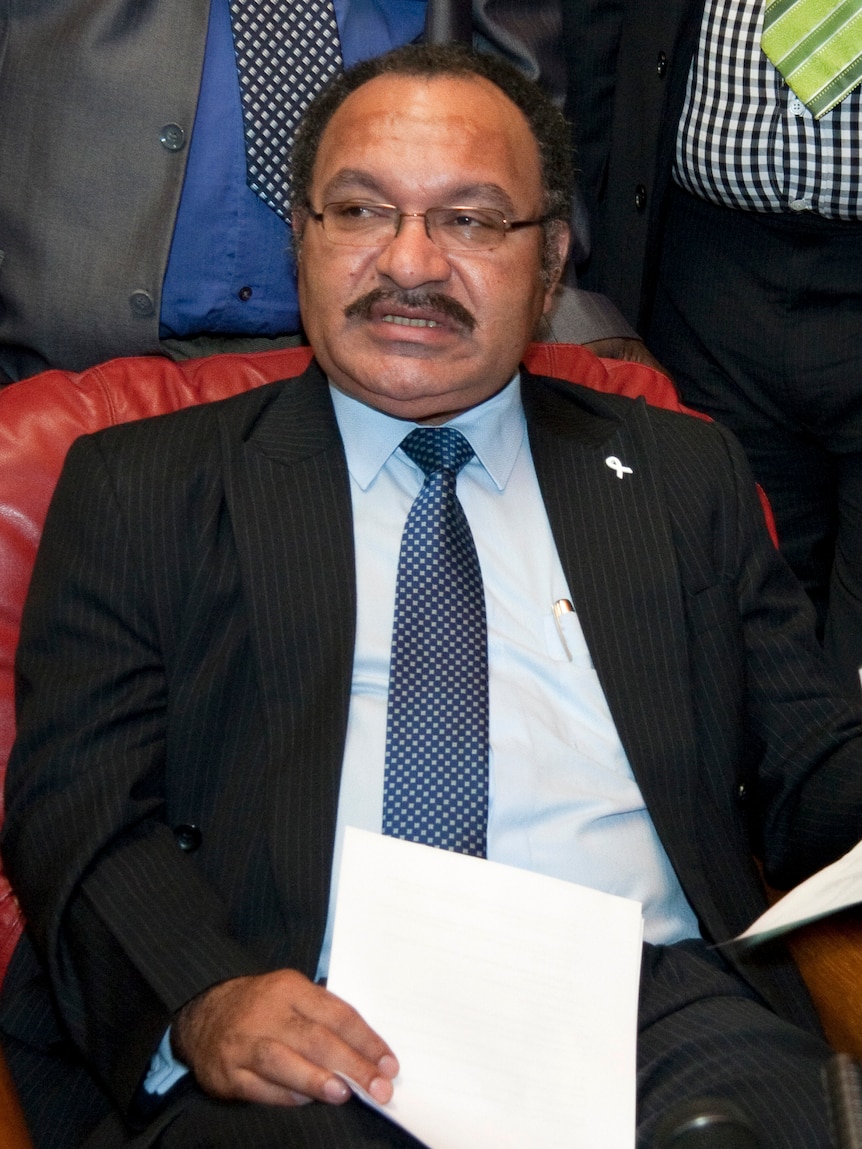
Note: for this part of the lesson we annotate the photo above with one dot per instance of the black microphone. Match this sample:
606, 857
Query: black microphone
706, 1123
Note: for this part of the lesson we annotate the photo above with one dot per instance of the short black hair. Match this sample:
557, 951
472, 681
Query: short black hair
546, 122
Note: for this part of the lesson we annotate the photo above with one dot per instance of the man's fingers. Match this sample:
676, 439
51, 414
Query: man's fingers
309, 1057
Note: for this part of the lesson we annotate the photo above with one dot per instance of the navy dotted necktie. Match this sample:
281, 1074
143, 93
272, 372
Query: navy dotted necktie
436, 779
286, 52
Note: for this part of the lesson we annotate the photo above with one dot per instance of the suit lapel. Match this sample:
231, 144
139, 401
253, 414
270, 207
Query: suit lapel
288, 493
614, 540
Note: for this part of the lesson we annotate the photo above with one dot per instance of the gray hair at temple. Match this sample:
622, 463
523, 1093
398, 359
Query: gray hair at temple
547, 123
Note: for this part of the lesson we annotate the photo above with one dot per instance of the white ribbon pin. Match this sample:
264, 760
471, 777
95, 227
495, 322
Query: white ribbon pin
615, 465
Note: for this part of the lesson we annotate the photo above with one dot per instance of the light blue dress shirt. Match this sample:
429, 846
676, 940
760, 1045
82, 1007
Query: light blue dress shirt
562, 797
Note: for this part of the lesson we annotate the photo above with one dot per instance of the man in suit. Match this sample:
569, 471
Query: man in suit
727, 226
223, 582
126, 226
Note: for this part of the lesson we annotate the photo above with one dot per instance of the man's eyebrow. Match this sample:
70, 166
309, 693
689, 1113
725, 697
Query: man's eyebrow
480, 195
463, 195
351, 179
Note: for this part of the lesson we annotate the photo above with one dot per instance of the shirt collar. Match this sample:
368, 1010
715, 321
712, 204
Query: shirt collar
495, 430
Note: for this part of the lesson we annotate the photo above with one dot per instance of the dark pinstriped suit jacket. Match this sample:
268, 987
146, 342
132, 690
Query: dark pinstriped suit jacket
186, 659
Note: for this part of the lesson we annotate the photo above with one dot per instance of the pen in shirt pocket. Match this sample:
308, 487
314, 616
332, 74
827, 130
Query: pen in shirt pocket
563, 606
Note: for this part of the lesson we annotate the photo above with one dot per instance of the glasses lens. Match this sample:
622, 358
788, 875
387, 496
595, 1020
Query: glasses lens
451, 228
359, 223
466, 229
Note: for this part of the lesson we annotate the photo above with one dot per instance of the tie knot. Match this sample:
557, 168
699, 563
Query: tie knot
437, 449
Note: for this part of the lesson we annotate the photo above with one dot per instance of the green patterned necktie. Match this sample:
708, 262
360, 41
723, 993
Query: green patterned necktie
816, 45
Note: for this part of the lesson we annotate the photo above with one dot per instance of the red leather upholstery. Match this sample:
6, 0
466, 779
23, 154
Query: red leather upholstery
41, 417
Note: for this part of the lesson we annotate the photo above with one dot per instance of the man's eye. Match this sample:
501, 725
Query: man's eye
356, 212
470, 221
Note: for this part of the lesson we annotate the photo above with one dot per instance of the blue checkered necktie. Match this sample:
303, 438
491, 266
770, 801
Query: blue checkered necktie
286, 52
436, 780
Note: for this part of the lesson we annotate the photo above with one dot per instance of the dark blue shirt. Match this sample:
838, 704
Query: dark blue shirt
230, 268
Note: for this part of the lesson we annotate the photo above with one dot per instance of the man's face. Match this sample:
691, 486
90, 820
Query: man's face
419, 143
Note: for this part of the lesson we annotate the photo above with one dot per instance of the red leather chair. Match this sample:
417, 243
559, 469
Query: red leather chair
42, 416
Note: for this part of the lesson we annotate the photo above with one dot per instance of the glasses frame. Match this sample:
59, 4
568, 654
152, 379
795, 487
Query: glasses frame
400, 216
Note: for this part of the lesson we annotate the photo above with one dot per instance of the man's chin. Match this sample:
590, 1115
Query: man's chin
415, 395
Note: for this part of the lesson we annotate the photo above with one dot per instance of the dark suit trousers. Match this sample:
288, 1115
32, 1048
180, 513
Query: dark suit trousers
702, 1032
759, 319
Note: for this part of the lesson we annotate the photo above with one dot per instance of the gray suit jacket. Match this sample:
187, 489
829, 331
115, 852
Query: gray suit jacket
196, 572
90, 179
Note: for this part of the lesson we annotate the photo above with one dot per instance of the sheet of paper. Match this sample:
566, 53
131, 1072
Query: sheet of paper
834, 888
509, 998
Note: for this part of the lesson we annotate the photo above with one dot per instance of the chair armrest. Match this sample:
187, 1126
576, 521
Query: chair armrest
829, 956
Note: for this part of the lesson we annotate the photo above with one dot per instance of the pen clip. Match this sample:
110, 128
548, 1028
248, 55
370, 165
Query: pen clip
563, 606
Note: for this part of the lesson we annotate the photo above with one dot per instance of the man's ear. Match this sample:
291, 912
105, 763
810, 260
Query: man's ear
558, 238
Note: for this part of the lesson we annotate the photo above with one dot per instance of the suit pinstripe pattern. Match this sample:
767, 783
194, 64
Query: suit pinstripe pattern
197, 573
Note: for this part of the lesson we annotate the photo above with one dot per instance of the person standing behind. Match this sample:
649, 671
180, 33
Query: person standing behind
726, 226
126, 223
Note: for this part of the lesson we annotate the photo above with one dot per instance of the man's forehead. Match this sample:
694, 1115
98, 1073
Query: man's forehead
466, 117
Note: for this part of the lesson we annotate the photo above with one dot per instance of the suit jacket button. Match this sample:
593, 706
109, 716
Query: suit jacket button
172, 138
640, 197
188, 837
142, 305
661, 65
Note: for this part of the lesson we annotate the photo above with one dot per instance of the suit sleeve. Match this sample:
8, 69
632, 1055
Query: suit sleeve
122, 918
802, 749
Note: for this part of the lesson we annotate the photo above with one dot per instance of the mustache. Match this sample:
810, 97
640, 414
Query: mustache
435, 301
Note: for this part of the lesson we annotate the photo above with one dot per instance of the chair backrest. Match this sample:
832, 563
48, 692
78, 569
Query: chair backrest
41, 417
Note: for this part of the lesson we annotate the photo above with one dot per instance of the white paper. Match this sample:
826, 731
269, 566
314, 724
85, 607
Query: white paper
509, 998
834, 888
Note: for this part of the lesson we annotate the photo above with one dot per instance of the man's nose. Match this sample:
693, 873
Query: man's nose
412, 258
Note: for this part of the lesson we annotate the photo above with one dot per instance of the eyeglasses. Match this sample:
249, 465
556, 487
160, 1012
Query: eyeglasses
359, 224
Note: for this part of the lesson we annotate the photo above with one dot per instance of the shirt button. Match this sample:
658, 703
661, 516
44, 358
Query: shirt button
640, 197
661, 65
796, 106
245, 294
172, 138
142, 305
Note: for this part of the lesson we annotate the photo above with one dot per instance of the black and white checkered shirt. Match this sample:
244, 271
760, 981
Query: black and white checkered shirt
747, 142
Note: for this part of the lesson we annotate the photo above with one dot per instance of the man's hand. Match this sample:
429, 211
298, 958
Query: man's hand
277, 1039
632, 350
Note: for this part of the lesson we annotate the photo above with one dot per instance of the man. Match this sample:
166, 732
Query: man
727, 226
224, 581
126, 223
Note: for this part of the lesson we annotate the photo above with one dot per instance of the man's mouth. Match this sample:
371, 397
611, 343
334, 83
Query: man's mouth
429, 309
403, 321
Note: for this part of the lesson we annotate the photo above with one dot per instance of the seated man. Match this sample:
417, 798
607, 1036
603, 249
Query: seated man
212, 686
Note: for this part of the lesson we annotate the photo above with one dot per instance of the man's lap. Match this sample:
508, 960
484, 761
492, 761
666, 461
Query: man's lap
703, 1032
